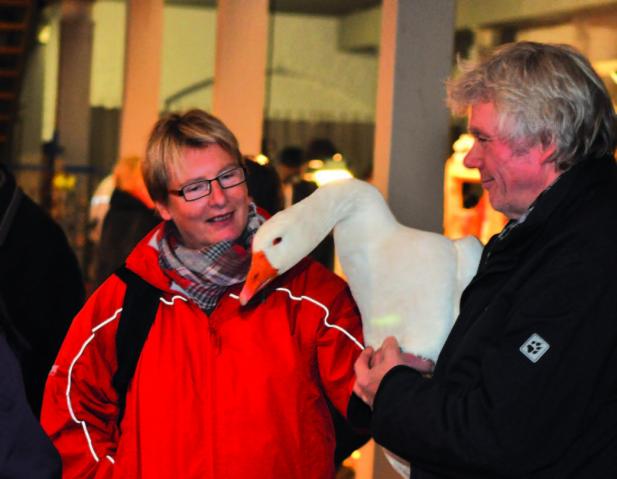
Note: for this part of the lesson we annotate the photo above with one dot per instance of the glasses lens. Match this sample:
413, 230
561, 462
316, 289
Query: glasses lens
196, 190
231, 178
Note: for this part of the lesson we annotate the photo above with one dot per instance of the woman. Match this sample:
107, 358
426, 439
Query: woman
220, 391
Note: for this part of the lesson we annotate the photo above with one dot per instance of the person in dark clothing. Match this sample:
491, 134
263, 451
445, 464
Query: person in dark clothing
264, 186
25, 450
130, 217
127, 221
40, 281
525, 385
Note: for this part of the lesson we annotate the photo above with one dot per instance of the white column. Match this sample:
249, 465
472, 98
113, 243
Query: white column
142, 75
240, 69
411, 125
73, 101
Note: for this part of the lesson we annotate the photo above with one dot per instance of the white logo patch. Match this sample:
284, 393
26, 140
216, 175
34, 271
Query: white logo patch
534, 348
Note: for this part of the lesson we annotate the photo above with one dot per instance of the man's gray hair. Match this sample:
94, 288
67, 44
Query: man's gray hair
543, 93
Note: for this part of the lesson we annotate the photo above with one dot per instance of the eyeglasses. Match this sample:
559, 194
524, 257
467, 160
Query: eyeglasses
199, 189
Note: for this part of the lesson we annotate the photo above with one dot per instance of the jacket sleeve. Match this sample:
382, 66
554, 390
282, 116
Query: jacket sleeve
340, 343
520, 416
80, 404
25, 450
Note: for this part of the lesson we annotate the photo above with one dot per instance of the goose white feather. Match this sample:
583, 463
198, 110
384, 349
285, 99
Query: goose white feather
407, 282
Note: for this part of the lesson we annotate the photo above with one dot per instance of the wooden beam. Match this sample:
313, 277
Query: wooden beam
479, 13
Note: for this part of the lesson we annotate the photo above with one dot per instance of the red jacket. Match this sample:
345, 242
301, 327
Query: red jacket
236, 394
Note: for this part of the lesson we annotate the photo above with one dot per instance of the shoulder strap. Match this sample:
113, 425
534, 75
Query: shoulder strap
141, 302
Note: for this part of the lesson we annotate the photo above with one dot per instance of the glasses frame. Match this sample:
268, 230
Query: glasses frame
182, 193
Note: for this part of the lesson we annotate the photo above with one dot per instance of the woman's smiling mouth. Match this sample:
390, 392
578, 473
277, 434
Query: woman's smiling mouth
220, 218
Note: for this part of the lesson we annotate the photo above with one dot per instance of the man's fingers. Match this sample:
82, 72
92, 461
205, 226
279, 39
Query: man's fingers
390, 343
363, 361
376, 358
418, 363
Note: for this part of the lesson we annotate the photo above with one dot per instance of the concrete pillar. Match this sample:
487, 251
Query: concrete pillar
29, 123
73, 100
240, 69
142, 75
411, 125
69, 196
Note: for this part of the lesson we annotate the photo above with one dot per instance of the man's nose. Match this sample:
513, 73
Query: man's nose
473, 158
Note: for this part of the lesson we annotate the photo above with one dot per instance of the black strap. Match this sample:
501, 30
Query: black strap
141, 302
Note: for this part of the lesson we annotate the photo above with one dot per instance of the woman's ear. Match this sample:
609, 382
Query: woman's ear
162, 210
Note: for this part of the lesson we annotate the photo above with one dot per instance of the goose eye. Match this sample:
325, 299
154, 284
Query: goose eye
276, 241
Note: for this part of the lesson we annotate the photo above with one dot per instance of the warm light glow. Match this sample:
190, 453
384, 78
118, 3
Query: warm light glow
315, 164
356, 455
614, 76
337, 157
327, 176
262, 159
463, 144
64, 181
44, 34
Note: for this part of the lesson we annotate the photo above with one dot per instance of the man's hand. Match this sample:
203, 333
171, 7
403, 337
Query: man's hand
371, 366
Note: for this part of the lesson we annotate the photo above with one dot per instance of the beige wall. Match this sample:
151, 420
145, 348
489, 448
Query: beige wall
323, 82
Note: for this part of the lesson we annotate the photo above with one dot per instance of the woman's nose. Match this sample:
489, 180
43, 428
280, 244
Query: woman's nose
217, 194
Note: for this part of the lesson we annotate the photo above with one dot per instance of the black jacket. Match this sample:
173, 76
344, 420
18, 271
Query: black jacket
40, 282
503, 402
126, 223
25, 450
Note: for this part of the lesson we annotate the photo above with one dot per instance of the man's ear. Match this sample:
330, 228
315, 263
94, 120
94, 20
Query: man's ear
163, 210
547, 153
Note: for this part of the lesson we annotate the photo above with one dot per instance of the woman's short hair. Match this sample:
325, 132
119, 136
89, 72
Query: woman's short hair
543, 93
171, 135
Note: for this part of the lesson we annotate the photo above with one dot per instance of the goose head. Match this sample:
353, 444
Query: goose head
279, 244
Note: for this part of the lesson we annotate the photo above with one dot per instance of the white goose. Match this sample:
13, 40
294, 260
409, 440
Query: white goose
407, 283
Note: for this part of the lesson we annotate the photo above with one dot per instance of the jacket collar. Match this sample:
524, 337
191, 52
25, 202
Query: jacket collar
144, 261
566, 190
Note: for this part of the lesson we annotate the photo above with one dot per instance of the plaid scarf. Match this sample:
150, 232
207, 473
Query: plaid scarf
205, 274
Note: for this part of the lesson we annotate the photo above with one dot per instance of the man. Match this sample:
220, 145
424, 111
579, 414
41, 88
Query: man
40, 281
220, 390
525, 385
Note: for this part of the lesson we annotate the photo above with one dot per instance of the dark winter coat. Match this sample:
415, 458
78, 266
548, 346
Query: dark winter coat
127, 221
526, 384
40, 282
25, 450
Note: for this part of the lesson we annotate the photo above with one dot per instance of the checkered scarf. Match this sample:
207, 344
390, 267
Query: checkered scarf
205, 274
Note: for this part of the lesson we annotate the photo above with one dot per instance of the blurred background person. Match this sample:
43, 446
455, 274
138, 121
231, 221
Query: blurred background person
264, 185
130, 217
291, 165
40, 281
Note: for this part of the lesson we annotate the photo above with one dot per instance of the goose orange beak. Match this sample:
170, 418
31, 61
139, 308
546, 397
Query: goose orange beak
259, 275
